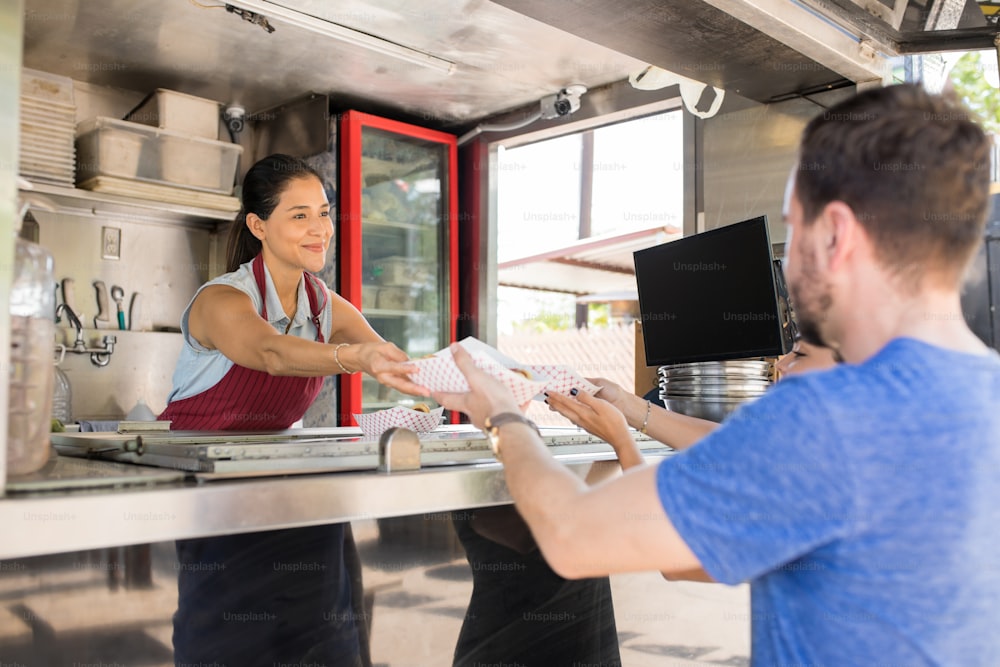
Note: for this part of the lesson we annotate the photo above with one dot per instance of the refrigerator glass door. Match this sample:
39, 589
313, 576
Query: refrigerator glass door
404, 214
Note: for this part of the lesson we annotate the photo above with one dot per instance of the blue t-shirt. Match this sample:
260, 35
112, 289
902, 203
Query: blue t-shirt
863, 505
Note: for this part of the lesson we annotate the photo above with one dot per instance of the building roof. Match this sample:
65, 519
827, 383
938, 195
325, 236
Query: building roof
586, 267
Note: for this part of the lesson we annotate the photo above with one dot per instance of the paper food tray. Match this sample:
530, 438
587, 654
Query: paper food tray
439, 373
375, 424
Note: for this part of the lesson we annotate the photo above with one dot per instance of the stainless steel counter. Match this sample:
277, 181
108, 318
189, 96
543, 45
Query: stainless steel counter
183, 506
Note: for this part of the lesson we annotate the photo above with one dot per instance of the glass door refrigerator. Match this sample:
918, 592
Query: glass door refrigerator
398, 243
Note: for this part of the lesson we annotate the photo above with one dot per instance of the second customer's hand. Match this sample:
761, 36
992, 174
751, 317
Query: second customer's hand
592, 414
602, 419
611, 392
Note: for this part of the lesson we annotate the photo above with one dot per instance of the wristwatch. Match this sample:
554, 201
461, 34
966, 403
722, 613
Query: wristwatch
494, 423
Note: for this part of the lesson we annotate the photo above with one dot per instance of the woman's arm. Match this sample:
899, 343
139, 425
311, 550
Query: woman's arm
349, 325
368, 351
671, 428
224, 318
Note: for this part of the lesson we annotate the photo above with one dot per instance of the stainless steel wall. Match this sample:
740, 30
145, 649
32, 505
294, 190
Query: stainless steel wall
162, 263
141, 367
747, 156
163, 260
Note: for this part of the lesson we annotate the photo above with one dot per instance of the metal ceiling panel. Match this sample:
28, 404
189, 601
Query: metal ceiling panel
813, 35
912, 26
506, 54
691, 38
502, 59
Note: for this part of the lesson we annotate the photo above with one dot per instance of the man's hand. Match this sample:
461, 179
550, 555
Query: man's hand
486, 396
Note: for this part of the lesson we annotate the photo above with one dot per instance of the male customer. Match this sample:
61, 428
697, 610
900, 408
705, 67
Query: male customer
861, 503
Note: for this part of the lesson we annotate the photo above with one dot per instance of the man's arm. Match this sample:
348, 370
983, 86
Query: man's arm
619, 526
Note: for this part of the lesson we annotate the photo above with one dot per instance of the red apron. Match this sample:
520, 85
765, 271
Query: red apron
249, 400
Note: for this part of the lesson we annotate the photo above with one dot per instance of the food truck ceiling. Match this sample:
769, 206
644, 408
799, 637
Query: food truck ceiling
455, 62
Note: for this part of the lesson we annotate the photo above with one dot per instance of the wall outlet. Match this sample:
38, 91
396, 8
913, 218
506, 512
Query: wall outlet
111, 243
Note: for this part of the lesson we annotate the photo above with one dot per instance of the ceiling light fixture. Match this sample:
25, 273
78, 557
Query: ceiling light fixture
344, 34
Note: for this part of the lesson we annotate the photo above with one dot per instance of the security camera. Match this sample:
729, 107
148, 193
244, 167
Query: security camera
235, 116
563, 103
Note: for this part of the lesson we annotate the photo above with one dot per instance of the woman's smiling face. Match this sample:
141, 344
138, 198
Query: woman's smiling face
298, 231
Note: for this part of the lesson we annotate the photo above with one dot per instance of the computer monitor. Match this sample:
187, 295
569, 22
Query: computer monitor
711, 297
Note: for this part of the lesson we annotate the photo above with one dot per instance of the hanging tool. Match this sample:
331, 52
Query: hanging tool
102, 320
69, 298
136, 314
118, 294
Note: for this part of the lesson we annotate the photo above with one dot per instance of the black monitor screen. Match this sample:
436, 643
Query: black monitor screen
710, 297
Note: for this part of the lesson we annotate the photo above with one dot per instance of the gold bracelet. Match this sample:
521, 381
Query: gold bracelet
336, 357
645, 422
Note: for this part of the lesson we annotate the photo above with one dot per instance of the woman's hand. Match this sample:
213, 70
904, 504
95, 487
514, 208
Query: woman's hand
486, 397
385, 362
611, 392
602, 419
594, 415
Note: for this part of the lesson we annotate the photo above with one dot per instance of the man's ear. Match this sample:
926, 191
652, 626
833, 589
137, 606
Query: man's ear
255, 225
840, 233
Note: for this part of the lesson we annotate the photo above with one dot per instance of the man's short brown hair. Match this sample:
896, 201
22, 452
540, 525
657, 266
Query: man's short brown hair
914, 168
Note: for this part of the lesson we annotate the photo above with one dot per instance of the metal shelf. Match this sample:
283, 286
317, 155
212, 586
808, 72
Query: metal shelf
385, 312
103, 206
381, 226
372, 406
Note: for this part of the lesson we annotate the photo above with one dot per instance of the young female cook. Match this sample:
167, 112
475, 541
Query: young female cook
258, 342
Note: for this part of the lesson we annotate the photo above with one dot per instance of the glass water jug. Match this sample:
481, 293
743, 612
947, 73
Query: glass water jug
32, 368
62, 397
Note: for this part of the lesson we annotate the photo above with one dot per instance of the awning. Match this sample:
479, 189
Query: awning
589, 266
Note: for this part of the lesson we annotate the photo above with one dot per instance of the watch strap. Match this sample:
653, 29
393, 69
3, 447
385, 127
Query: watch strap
496, 421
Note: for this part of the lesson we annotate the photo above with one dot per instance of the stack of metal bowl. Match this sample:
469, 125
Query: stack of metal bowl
713, 389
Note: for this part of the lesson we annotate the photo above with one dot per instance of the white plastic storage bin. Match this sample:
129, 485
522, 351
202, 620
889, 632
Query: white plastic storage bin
180, 113
110, 147
46, 87
397, 298
369, 295
400, 271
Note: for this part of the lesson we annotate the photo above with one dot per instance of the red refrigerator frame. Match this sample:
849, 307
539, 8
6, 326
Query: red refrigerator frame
349, 231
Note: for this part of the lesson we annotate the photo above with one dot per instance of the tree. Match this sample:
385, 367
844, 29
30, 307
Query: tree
970, 83
545, 321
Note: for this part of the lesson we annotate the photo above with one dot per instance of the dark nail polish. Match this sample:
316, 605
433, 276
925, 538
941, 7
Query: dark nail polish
574, 391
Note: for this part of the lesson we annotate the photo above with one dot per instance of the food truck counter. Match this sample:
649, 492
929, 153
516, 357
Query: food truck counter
81, 503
